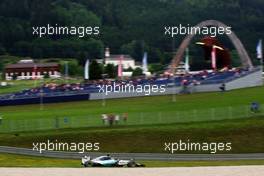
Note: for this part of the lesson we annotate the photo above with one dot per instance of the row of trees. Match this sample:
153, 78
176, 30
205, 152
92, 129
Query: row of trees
126, 26
97, 70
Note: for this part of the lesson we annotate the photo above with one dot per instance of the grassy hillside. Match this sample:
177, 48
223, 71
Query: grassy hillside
136, 105
141, 110
125, 25
183, 120
245, 135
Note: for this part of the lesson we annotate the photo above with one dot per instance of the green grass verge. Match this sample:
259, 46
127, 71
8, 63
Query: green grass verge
141, 110
136, 105
10, 160
246, 136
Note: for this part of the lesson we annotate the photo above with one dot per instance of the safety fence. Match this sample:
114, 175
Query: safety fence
135, 118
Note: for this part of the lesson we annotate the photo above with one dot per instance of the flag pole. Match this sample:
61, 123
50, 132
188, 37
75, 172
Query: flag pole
173, 74
66, 71
213, 58
120, 69
260, 55
261, 61
186, 64
35, 76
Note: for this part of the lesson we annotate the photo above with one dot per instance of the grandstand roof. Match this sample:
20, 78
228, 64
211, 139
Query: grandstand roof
31, 65
118, 56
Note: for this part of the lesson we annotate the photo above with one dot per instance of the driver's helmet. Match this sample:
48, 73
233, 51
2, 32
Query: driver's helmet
87, 157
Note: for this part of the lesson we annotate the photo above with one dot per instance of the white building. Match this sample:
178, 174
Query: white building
126, 60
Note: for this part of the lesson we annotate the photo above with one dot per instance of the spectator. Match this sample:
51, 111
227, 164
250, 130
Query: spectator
125, 116
223, 87
254, 107
185, 84
117, 119
111, 119
104, 119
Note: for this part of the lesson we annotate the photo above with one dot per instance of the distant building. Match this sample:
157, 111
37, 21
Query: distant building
180, 69
127, 60
30, 70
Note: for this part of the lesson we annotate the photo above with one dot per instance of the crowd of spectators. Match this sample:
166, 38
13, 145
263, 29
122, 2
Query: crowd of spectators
202, 77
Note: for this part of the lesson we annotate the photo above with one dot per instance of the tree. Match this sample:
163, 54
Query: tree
2, 50
156, 68
46, 76
73, 68
129, 27
129, 69
95, 70
82, 56
137, 72
14, 76
1, 66
135, 48
110, 70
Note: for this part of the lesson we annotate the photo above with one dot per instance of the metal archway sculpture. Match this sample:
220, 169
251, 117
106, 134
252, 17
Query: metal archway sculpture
245, 59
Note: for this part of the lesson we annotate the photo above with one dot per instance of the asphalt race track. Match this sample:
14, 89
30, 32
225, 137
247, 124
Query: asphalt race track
172, 171
136, 156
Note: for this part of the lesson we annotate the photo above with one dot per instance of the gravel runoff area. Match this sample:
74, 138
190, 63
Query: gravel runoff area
182, 171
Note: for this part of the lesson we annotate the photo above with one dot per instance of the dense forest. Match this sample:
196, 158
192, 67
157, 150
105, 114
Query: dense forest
126, 26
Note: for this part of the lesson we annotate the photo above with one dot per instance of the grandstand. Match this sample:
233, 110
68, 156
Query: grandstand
202, 81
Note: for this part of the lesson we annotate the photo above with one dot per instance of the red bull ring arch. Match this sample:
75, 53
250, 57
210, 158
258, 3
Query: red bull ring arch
242, 53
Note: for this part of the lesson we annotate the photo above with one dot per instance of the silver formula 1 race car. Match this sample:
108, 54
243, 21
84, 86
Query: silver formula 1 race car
108, 161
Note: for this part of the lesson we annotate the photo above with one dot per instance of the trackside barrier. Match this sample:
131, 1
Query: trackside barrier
136, 118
